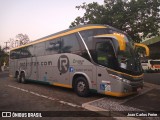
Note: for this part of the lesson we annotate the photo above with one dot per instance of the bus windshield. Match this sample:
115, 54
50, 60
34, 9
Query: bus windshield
129, 61
105, 54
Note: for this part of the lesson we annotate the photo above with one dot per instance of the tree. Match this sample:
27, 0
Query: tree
22, 38
4, 57
1, 51
12, 43
131, 16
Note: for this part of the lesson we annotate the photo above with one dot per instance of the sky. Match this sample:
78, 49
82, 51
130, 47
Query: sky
37, 18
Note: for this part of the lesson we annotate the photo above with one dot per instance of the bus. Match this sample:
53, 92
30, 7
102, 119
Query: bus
151, 65
86, 58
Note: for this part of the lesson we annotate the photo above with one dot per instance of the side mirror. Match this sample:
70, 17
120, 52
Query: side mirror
138, 45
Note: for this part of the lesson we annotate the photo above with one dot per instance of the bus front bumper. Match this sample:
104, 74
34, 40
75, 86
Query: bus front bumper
127, 89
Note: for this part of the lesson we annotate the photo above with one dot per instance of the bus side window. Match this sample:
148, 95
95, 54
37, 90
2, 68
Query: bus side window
101, 54
31, 50
83, 52
39, 49
13, 54
24, 53
17, 54
87, 33
53, 46
105, 54
70, 44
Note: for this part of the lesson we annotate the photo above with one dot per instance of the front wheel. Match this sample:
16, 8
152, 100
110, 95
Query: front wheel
81, 87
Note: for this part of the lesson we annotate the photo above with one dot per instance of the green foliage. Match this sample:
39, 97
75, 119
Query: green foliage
131, 16
4, 57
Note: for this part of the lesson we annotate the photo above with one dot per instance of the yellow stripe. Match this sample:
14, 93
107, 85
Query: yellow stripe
62, 85
60, 35
121, 42
118, 94
126, 74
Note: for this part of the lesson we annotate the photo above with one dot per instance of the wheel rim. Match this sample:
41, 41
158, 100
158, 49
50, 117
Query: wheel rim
81, 86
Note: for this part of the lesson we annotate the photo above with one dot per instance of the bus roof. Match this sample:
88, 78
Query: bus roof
67, 32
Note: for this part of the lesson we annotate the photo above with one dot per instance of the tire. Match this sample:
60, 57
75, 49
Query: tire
17, 79
22, 78
81, 87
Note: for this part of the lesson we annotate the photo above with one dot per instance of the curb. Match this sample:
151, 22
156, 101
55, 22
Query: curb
94, 108
91, 107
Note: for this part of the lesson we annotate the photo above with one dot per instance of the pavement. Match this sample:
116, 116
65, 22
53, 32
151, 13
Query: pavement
37, 97
153, 78
147, 100
54, 102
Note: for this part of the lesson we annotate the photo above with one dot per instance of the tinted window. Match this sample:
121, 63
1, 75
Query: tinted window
39, 49
12, 55
15, 54
31, 50
155, 62
105, 55
70, 44
93, 32
24, 53
83, 52
53, 46
20, 53
87, 33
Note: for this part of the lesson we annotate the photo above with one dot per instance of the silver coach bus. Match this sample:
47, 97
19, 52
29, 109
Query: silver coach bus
86, 58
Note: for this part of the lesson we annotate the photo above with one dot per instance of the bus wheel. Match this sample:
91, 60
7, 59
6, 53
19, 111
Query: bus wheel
22, 78
81, 87
17, 78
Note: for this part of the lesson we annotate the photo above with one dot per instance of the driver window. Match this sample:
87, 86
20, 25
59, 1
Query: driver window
105, 55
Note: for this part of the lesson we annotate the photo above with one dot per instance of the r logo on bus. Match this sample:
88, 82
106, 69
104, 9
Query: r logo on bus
63, 63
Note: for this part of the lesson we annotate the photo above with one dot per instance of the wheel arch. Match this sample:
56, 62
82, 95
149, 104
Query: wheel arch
78, 74
23, 72
16, 73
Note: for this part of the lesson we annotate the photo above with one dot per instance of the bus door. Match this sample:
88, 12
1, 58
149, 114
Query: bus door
105, 57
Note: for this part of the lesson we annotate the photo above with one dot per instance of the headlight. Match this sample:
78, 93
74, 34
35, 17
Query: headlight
126, 81
115, 77
119, 78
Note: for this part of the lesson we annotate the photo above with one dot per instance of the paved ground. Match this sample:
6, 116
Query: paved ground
148, 102
37, 97
153, 78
